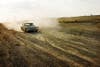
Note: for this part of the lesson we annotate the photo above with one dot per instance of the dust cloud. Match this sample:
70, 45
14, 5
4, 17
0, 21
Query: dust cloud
39, 22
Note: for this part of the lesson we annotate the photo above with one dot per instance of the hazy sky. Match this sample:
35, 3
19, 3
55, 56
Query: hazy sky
24, 9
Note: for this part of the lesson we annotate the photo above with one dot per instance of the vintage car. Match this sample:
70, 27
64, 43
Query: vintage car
29, 27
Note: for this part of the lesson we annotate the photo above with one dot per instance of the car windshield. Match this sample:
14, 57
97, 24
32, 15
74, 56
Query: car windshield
28, 24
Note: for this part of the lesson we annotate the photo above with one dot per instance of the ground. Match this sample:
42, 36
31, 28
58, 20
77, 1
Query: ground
71, 45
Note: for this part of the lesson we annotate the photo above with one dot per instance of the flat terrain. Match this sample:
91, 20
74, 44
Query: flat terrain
72, 45
80, 19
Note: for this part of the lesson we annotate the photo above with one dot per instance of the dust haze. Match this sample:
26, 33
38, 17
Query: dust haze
39, 22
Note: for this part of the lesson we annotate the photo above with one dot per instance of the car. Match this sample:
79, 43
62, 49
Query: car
29, 27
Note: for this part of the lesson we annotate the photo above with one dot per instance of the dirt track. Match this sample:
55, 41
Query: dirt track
56, 48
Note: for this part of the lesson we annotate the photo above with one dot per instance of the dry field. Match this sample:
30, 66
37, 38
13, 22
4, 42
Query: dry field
73, 45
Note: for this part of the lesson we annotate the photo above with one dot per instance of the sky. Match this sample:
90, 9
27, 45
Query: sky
11, 10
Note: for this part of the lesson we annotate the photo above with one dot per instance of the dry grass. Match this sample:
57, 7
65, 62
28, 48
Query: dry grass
51, 48
80, 19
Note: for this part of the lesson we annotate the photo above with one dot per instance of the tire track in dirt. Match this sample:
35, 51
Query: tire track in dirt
56, 62
58, 49
81, 53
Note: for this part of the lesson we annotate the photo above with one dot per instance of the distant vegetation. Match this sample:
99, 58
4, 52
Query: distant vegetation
80, 19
